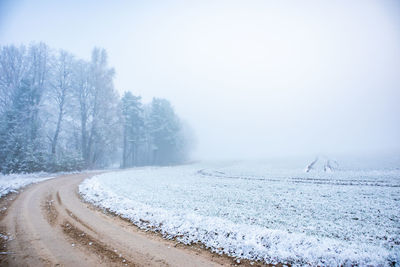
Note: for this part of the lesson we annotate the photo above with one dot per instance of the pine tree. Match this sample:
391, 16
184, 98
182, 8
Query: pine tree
133, 129
164, 129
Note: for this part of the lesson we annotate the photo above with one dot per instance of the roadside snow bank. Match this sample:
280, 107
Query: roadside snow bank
13, 182
259, 217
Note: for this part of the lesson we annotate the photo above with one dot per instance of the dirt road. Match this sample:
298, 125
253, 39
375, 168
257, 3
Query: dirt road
51, 226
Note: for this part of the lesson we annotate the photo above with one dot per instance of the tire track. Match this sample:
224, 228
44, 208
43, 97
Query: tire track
299, 180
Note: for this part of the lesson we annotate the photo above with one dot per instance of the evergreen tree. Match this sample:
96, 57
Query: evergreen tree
133, 129
164, 130
21, 149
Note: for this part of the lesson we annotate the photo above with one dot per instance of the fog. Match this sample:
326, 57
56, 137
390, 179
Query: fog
253, 78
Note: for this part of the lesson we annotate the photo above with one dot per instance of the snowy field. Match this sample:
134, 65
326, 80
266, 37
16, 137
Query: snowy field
264, 211
13, 182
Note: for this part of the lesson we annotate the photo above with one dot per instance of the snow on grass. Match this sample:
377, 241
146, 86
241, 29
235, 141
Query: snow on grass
250, 210
13, 182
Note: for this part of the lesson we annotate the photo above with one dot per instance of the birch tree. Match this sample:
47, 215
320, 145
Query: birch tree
60, 91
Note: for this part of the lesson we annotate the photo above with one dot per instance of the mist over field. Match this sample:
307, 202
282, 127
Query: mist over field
254, 80
266, 132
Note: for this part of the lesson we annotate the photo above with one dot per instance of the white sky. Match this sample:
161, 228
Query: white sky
253, 78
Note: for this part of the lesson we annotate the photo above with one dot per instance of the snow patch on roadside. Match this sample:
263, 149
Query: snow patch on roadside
13, 182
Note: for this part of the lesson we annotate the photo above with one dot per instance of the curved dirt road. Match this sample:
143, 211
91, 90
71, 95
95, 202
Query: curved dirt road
51, 226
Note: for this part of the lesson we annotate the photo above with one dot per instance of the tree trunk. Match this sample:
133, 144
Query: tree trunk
125, 149
57, 132
84, 139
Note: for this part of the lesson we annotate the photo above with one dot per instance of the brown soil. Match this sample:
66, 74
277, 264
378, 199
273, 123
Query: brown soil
86, 241
5, 203
50, 211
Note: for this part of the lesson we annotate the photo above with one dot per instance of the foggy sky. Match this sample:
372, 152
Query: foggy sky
253, 78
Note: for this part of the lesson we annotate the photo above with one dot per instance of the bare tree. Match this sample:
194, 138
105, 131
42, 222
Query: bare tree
13, 67
61, 85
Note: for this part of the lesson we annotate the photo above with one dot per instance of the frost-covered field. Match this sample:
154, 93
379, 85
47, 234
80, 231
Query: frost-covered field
253, 210
13, 182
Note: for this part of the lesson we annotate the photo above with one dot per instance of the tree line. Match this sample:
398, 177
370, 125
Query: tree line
61, 113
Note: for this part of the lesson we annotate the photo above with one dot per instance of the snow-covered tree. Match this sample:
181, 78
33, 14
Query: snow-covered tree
60, 93
13, 67
164, 129
58, 113
21, 147
97, 103
133, 129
